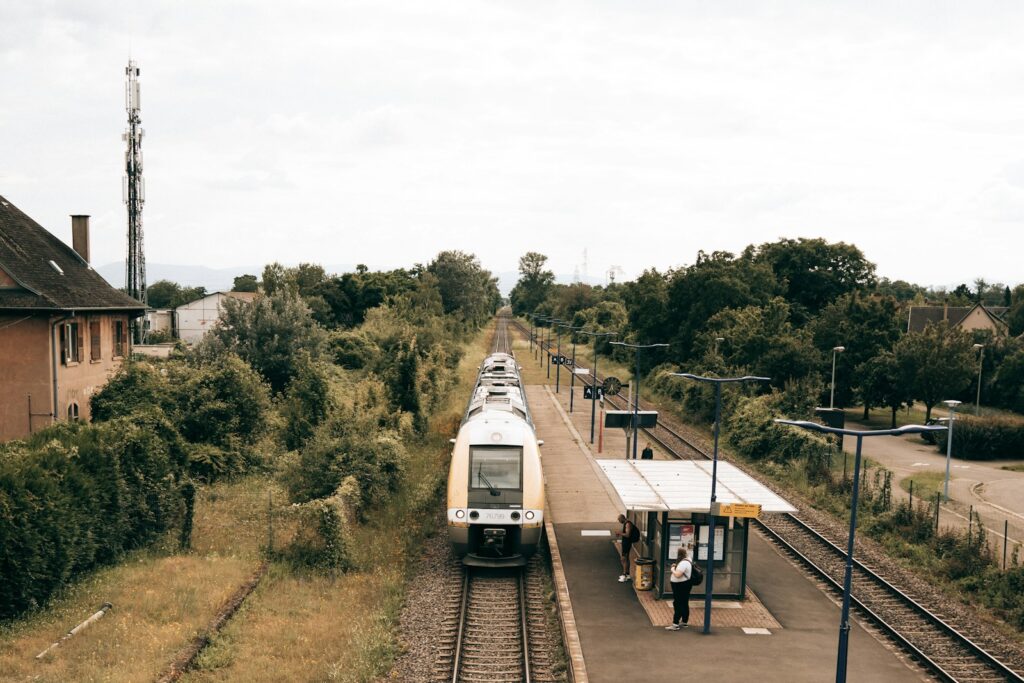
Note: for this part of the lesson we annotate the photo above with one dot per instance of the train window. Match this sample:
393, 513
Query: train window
495, 468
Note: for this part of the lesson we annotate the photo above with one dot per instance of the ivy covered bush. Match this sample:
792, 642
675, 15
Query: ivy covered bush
75, 496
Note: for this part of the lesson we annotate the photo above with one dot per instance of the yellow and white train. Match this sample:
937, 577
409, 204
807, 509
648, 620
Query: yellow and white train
495, 482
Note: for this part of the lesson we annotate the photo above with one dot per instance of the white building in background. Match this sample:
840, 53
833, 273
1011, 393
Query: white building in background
196, 317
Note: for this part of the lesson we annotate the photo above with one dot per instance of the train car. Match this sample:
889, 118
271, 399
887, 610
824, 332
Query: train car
495, 483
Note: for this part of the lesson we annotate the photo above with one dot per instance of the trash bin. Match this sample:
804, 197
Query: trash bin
644, 574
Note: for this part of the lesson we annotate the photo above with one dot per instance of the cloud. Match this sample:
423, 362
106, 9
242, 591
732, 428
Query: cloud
382, 131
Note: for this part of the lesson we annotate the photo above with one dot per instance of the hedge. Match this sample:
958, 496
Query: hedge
76, 496
985, 438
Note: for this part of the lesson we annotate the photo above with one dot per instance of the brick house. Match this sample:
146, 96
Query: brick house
63, 329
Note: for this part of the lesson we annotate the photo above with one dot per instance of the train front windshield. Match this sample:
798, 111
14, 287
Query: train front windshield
496, 468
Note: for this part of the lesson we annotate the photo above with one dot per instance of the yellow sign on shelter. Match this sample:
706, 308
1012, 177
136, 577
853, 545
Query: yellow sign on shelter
739, 509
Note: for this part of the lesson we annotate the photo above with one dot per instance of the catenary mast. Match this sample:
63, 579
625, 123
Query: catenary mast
134, 191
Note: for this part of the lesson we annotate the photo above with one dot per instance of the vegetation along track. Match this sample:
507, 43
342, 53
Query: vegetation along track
496, 628
936, 644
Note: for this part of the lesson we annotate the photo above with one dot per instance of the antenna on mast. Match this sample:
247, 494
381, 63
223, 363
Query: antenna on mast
134, 191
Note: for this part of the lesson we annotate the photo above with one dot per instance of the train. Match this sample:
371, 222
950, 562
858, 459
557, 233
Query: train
495, 481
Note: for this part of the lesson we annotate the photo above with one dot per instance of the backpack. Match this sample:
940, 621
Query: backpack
634, 533
696, 575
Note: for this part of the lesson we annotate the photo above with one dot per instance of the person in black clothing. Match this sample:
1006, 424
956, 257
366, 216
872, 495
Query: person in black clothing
647, 453
682, 584
629, 535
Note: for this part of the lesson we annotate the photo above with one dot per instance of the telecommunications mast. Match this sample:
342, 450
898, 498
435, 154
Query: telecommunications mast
134, 190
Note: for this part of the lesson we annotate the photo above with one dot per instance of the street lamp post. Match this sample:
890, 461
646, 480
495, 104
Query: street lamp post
540, 351
710, 565
558, 353
981, 362
593, 384
572, 367
844, 621
532, 316
949, 446
550, 322
636, 394
835, 350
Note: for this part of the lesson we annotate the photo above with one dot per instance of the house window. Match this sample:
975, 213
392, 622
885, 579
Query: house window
71, 344
118, 338
94, 340
72, 412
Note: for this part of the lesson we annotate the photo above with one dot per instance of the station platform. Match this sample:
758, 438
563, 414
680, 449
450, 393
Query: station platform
787, 632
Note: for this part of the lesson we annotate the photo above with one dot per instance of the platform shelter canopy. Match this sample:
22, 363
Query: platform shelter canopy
685, 486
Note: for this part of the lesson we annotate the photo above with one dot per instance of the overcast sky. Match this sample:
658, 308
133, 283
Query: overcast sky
382, 132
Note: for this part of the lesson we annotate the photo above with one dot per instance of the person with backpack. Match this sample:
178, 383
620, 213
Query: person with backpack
683, 578
629, 535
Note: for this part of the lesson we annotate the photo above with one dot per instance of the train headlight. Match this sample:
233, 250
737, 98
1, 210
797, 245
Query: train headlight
459, 514
474, 514
515, 516
529, 514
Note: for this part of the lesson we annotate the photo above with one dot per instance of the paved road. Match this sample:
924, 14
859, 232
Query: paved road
995, 493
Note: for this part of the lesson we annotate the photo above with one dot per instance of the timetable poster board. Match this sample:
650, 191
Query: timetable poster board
702, 548
679, 535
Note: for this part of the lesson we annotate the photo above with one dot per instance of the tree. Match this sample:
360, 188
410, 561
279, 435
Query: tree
1008, 384
534, 283
1015, 316
245, 283
813, 272
467, 290
168, 294
646, 300
938, 363
882, 383
715, 282
761, 340
865, 325
272, 333
161, 293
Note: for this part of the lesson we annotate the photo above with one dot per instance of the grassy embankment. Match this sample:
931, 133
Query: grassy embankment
295, 626
305, 626
161, 598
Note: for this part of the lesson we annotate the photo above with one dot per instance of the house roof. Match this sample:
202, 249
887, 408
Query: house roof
685, 486
921, 316
28, 254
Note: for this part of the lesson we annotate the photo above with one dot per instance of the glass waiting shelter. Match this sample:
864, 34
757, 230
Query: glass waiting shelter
669, 501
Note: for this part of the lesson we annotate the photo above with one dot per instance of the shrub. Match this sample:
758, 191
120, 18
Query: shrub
321, 538
220, 409
75, 496
306, 403
376, 460
751, 430
985, 438
353, 349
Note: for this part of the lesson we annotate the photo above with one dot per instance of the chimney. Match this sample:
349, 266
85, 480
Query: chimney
80, 236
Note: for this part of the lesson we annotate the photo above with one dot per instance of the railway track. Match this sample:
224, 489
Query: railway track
495, 628
934, 642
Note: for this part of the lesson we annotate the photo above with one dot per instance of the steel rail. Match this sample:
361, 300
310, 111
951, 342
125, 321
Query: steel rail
463, 608
984, 657
524, 625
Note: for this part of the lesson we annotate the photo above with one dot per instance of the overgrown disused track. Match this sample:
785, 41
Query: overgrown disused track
936, 644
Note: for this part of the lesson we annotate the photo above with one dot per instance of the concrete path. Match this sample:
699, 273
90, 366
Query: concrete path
996, 494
